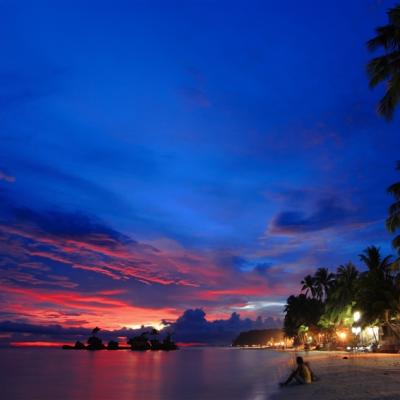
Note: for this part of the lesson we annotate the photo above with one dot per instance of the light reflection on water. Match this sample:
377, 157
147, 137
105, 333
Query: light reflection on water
190, 373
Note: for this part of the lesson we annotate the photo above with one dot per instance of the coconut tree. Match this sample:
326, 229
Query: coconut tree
373, 260
308, 286
300, 312
386, 67
342, 295
377, 295
346, 283
393, 220
323, 282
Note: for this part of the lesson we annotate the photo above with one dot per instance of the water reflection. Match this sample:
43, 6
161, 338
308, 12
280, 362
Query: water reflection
194, 373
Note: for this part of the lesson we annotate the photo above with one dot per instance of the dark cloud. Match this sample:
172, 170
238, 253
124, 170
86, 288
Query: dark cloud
262, 268
193, 326
83, 242
69, 225
328, 213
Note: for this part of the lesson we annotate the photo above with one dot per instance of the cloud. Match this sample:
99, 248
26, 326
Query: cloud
328, 213
16, 274
240, 291
262, 268
39, 305
258, 305
49, 176
192, 326
73, 262
82, 242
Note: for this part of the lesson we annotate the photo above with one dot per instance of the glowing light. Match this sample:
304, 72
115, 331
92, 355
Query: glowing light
38, 344
373, 332
155, 325
255, 305
356, 316
356, 330
342, 335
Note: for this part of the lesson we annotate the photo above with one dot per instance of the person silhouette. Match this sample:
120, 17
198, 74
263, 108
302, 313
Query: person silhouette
301, 375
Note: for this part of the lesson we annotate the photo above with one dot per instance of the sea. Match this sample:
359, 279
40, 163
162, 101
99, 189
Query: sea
203, 373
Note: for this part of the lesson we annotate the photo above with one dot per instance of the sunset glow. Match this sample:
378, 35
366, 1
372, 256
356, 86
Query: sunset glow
182, 166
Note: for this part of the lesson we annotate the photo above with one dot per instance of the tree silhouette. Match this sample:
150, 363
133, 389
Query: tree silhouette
323, 282
372, 258
386, 68
342, 295
393, 220
95, 331
377, 296
308, 286
300, 312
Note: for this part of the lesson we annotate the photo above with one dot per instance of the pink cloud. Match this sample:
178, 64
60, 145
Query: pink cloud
104, 310
111, 258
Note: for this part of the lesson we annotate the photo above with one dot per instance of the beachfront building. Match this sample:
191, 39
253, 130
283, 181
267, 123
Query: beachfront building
389, 340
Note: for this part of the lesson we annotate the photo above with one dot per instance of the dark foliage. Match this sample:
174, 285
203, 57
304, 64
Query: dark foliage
258, 337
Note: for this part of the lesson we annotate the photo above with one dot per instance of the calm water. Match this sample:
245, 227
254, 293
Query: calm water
187, 374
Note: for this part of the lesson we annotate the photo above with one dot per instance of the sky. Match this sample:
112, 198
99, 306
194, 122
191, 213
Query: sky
157, 157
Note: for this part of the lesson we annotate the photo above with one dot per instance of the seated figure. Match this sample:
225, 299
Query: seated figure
301, 375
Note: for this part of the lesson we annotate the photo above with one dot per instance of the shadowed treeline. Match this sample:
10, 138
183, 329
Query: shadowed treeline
148, 340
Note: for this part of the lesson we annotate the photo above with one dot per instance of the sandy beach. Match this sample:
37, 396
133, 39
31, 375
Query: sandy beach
360, 376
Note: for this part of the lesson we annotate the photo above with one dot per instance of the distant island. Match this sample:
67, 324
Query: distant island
145, 341
269, 338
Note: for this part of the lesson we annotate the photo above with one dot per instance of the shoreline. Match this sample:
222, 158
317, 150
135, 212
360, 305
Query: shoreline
360, 376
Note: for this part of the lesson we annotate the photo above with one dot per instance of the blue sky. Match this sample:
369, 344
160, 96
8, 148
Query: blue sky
221, 149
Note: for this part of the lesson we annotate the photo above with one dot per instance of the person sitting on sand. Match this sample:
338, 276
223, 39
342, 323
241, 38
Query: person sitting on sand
302, 374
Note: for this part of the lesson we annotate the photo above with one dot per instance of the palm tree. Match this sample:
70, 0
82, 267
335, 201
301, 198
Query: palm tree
342, 296
323, 282
393, 220
372, 258
377, 296
386, 68
346, 278
301, 311
308, 286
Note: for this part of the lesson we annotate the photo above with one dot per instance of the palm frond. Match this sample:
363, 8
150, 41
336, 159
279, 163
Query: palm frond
386, 68
381, 68
393, 222
394, 189
394, 208
386, 262
396, 242
391, 98
387, 36
394, 16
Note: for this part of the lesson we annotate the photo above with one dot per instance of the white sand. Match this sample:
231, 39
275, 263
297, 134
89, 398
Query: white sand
361, 376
